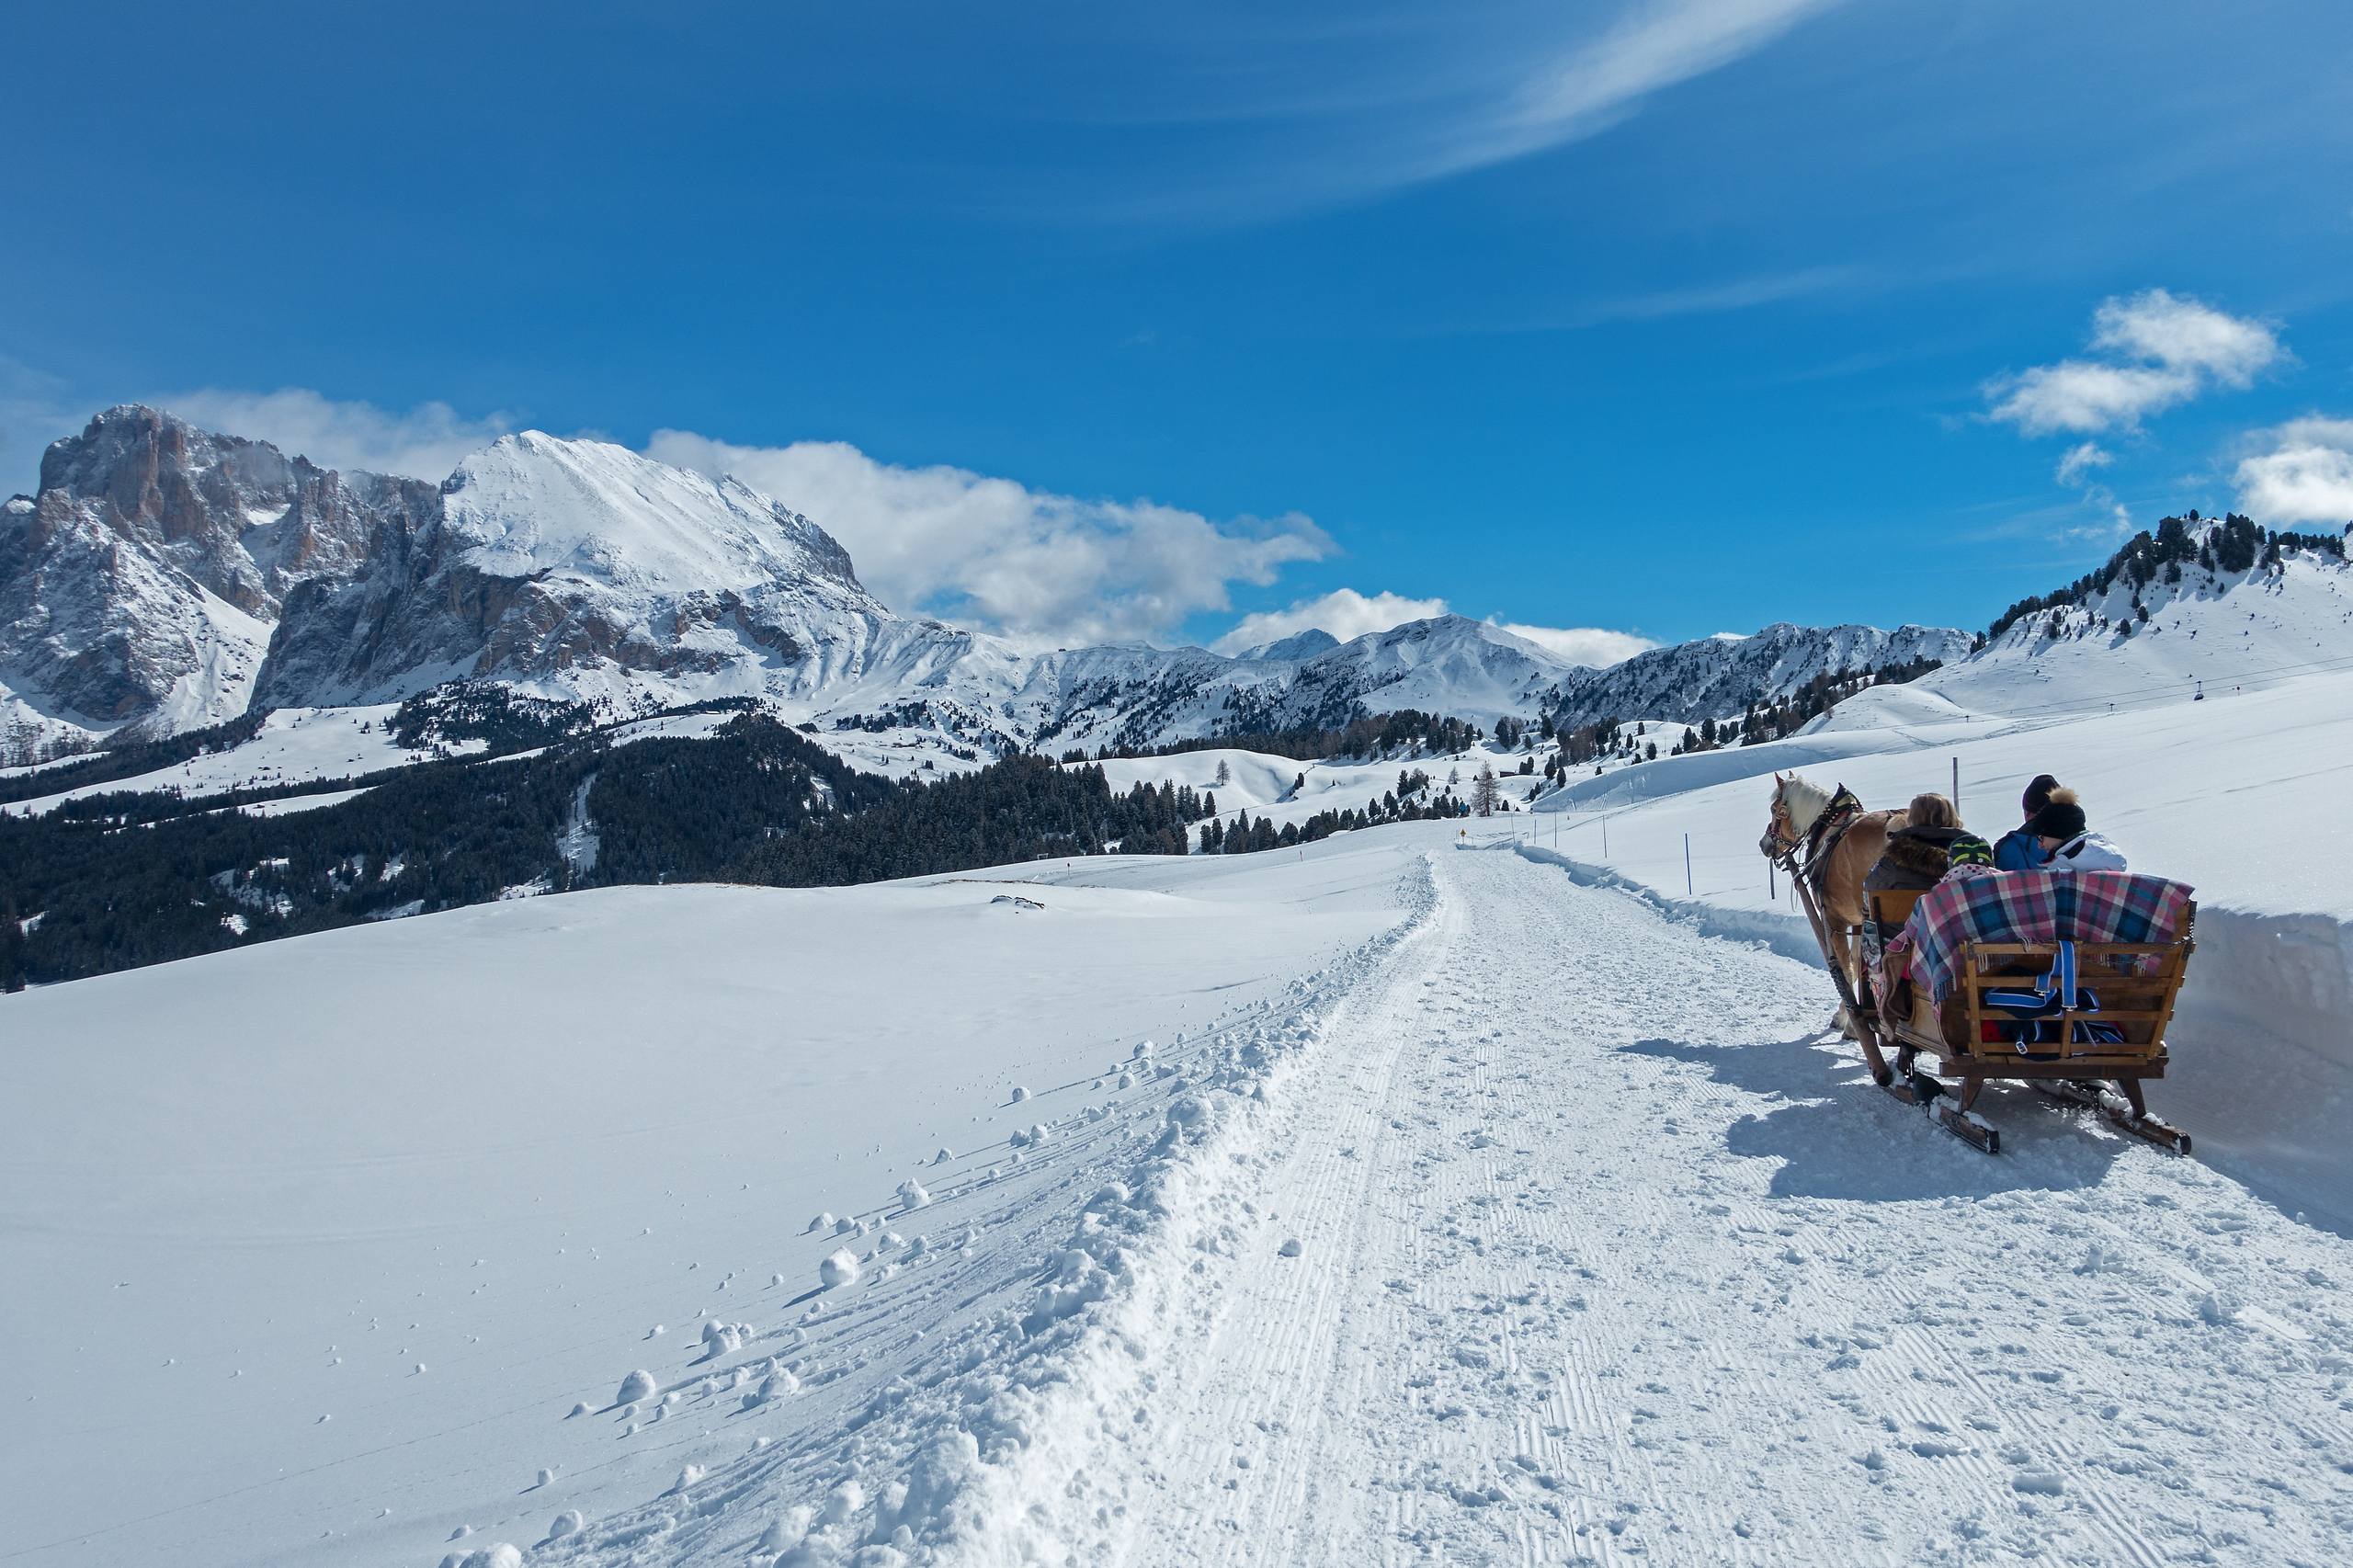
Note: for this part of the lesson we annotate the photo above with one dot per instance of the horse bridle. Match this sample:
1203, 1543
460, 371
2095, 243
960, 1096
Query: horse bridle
1781, 844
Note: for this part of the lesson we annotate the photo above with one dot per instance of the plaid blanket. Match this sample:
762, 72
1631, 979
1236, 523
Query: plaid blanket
2038, 906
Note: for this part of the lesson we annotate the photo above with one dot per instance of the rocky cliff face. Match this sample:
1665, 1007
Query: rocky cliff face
139, 586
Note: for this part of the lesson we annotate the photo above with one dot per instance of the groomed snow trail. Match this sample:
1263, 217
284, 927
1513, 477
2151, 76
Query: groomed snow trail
1603, 1256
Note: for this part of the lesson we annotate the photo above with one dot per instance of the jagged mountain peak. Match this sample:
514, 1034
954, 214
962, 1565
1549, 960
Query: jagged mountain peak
139, 585
1294, 649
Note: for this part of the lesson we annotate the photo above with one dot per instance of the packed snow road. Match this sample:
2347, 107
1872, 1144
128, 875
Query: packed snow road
1601, 1257
1384, 1201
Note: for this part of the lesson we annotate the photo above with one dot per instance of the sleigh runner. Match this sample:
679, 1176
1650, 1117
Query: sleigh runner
2065, 981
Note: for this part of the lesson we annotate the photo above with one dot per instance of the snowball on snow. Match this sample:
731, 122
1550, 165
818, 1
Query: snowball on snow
639, 1385
569, 1522
842, 1501
1019, 1094
821, 1222
788, 1532
845, 1226
499, 1556
942, 1157
839, 1268
911, 1194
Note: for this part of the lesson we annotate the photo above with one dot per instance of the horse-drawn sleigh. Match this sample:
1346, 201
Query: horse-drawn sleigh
2064, 980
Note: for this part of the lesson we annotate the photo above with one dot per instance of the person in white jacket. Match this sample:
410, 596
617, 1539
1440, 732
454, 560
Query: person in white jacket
2067, 838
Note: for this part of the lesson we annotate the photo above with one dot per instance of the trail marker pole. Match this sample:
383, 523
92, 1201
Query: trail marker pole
1956, 786
1686, 865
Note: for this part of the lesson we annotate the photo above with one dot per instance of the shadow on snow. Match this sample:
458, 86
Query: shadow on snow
1836, 1136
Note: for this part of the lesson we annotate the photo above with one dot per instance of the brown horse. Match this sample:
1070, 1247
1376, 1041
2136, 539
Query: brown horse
1797, 804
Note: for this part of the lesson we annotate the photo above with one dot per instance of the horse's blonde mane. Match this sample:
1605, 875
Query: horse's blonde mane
1804, 800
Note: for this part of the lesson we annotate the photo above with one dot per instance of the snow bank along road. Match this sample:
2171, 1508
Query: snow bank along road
1488, 1218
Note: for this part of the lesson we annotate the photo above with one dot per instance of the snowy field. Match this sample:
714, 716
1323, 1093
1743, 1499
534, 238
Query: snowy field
1455, 1212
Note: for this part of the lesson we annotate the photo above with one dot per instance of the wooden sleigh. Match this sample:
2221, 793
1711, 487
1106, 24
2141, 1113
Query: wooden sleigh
2136, 983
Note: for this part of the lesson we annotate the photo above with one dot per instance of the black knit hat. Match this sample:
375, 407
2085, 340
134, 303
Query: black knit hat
2061, 817
2038, 794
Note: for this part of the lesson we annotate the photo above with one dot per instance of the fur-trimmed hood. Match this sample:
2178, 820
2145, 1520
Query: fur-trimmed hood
1914, 858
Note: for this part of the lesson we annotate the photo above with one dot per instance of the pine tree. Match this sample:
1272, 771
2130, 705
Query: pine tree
12, 947
1484, 790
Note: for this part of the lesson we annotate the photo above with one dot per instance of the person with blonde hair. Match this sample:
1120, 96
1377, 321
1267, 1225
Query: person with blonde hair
1919, 853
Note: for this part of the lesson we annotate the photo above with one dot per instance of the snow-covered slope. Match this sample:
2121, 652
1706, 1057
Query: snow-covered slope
2229, 630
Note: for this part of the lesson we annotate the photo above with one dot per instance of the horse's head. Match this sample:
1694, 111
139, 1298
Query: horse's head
1797, 802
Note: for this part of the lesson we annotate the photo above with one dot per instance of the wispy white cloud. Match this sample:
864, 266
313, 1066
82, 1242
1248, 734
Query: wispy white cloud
2082, 395
1038, 566
1429, 93
1592, 85
1718, 297
2306, 475
2186, 335
2162, 349
2079, 469
423, 442
2081, 460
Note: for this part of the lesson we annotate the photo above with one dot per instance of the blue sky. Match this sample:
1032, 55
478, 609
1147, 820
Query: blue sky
1099, 320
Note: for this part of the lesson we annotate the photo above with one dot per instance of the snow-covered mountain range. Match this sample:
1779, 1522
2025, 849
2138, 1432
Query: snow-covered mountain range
167, 578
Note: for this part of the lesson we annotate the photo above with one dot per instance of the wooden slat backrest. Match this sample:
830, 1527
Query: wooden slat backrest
1892, 906
2139, 1003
